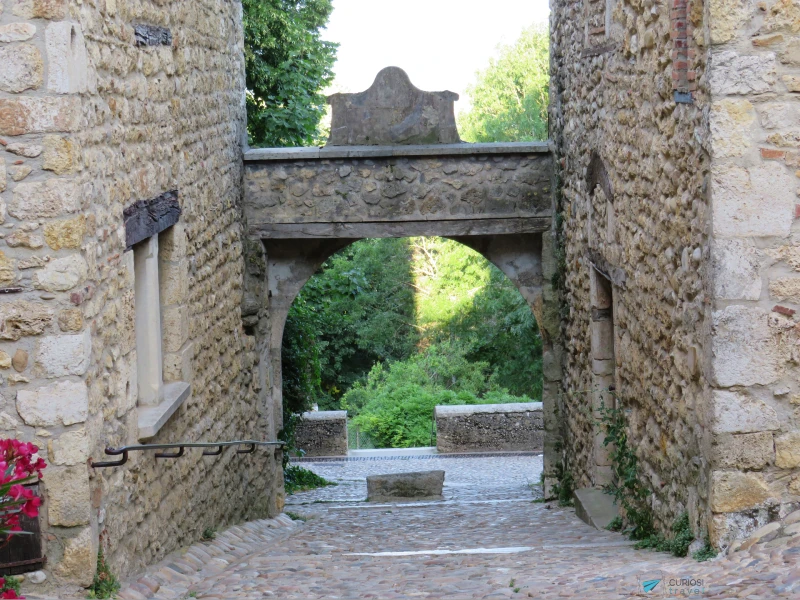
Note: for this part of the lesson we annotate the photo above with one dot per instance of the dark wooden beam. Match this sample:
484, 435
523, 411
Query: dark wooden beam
384, 229
147, 218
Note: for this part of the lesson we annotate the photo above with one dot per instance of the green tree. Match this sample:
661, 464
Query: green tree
509, 99
361, 311
287, 64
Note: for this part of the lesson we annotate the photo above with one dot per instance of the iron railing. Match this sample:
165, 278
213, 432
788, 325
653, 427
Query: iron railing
124, 450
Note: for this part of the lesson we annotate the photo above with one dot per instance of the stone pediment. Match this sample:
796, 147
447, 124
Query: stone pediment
393, 111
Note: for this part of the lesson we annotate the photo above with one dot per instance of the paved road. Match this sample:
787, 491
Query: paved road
488, 539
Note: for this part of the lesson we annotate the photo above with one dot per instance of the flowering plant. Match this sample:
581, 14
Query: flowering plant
19, 464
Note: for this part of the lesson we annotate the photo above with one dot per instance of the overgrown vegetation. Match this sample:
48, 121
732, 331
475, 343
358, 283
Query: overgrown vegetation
105, 583
389, 328
295, 516
298, 479
208, 535
564, 486
287, 64
637, 520
9, 583
510, 97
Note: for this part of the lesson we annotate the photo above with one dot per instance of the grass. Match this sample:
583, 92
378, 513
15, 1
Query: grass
295, 517
707, 552
105, 583
298, 479
677, 545
209, 533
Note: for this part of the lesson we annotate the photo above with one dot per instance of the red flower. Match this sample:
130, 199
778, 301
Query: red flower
10, 594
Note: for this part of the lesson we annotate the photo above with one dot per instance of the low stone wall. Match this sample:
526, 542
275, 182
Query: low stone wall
322, 433
490, 427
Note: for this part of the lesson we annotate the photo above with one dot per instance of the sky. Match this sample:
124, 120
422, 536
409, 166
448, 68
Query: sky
439, 43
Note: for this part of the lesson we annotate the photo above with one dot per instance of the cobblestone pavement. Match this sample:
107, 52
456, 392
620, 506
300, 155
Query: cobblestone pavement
487, 539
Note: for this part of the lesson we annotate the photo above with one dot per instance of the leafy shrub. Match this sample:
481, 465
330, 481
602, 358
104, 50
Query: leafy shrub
105, 583
298, 479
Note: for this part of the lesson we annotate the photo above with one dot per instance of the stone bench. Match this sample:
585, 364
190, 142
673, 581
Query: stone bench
490, 427
420, 485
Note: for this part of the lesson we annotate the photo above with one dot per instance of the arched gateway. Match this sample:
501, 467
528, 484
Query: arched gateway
408, 175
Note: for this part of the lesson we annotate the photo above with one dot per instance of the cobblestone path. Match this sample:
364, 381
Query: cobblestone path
488, 539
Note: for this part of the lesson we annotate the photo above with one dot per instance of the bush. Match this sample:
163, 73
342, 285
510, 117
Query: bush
298, 479
395, 405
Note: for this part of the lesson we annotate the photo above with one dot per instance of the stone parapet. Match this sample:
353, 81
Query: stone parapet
490, 427
322, 433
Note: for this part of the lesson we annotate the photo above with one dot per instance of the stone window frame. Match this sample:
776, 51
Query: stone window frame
163, 351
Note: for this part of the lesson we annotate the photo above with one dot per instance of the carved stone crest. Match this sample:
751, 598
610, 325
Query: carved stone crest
392, 111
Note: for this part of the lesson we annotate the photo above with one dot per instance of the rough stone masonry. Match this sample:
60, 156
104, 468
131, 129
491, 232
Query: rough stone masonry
671, 274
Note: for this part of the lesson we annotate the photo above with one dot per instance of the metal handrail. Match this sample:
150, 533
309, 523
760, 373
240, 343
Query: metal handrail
123, 450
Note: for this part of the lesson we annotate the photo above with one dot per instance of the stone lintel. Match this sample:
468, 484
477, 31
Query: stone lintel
332, 152
152, 418
384, 229
146, 218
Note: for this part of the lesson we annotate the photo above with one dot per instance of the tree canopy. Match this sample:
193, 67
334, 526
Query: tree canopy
287, 64
510, 96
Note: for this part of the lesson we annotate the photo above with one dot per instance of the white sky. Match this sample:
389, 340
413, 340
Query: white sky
439, 43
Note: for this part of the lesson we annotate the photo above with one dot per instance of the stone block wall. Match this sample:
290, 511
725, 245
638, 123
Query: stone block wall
753, 438
633, 215
676, 136
322, 433
490, 427
95, 115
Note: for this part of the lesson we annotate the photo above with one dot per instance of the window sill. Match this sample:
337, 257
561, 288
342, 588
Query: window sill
153, 418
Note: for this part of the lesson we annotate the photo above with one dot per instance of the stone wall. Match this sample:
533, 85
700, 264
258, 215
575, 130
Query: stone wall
322, 433
676, 134
490, 427
753, 441
633, 214
95, 115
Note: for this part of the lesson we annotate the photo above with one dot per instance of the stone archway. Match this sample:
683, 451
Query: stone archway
304, 204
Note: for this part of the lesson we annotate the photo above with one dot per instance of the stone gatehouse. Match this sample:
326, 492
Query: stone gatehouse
148, 258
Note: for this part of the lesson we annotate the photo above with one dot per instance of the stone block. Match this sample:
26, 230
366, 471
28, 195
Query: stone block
66, 58
791, 53
787, 450
178, 365
33, 114
7, 269
752, 202
746, 451
44, 199
731, 73
70, 319
779, 115
62, 274
173, 281
5, 360
40, 9
25, 239
16, 32
61, 355
736, 265
61, 155
175, 327
77, 565
3, 181
65, 234
61, 403
70, 448
21, 318
736, 413
602, 340
68, 502
402, 487
731, 122
785, 289
733, 491
744, 350
594, 507
20, 360
727, 17
22, 68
